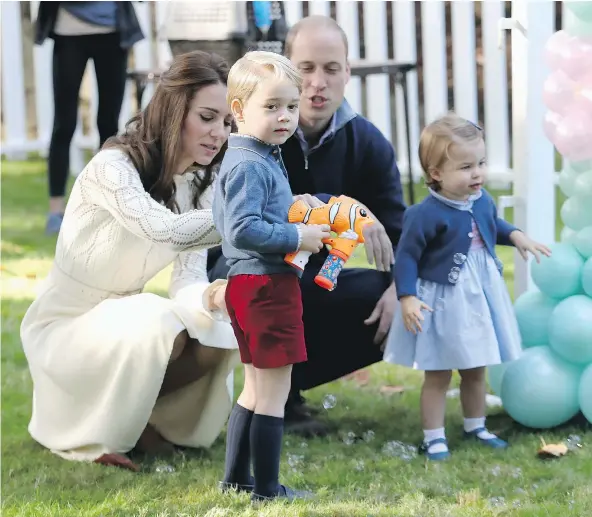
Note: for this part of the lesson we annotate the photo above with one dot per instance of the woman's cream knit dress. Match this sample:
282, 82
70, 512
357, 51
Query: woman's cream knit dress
98, 347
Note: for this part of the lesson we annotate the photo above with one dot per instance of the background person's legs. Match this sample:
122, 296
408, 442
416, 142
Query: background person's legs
70, 54
110, 62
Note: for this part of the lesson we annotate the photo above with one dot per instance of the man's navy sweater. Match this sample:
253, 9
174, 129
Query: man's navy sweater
356, 161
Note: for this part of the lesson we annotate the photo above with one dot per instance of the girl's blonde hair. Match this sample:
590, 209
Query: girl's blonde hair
438, 137
255, 67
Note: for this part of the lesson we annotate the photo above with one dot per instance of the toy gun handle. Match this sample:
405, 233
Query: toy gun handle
298, 259
327, 276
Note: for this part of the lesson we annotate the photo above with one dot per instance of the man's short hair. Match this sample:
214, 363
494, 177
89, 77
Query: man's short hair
316, 21
256, 66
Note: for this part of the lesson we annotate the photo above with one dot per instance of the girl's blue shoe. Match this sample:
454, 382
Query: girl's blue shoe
434, 456
495, 443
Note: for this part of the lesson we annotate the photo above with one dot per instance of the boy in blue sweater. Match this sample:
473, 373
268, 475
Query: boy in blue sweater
263, 296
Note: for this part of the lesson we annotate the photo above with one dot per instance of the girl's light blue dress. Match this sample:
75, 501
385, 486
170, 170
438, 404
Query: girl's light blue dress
472, 323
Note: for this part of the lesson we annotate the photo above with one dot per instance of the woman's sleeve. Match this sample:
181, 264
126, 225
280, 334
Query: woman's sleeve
115, 185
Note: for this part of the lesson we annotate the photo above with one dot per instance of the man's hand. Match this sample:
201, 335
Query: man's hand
383, 313
379, 247
311, 201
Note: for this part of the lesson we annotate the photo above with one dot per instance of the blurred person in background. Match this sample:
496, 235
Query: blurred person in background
103, 32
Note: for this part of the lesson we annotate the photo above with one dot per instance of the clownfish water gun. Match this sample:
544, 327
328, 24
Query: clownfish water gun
346, 218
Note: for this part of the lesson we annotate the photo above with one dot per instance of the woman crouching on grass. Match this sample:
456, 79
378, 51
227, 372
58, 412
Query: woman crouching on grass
114, 368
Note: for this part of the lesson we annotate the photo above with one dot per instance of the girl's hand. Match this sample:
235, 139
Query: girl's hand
524, 244
412, 316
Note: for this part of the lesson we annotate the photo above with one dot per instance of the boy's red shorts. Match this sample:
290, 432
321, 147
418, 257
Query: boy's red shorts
266, 315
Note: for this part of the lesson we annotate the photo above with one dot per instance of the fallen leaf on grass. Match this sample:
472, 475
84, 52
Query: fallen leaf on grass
361, 377
389, 390
552, 450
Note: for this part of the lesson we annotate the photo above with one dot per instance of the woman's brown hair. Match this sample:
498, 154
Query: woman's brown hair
152, 138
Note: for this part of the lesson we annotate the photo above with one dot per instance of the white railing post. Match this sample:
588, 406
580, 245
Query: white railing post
405, 51
321, 7
435, 77
495, 92
347, 18
43, 56
13, 81
378, 94
534, 171
464, 69
293, 10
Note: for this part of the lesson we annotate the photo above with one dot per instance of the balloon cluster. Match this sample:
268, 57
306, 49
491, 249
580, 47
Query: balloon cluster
567, 92
552, 380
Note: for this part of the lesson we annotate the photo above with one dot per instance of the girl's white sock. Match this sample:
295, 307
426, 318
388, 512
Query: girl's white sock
475, 423
433, 434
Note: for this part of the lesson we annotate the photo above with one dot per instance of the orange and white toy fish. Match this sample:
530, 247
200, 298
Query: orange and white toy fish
346, 218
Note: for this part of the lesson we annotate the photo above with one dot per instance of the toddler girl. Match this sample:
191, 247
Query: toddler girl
455, 311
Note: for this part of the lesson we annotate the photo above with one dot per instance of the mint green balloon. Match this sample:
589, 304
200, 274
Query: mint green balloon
582, 10
559, 275
587, 277
576, 212
583, 166
570, 329
583, 184
495, 375
575, 26
585, 393
583, 242
567, 181
533, 312
568, 235
540, 390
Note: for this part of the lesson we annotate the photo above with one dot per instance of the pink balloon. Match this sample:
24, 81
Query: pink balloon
575, 56
550, 123
573, 135
583, 94
554, 49
558, 92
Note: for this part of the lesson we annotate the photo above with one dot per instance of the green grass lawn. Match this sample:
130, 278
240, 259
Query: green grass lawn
354, 471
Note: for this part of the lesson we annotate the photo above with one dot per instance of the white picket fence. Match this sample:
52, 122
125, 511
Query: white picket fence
532, 154
378, 99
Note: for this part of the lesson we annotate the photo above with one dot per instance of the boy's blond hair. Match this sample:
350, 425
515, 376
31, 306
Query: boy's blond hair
438, 137
256, 66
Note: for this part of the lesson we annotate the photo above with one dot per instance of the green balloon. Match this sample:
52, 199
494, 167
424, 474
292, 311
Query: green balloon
533, 313
583, 166
587, 277
586, 393
582, 184
575, 26
559, 275
540, 390
576, 212
568, 235
570, 329
495, 375
567, 181
583, 242
582, 10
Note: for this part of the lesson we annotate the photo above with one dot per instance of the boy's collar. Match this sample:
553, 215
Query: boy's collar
237, 140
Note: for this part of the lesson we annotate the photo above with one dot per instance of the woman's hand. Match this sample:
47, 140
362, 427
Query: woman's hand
220, 299
216, 298
524, 244
412, 316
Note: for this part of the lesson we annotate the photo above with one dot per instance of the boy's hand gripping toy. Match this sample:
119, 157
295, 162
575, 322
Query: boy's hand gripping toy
347, 218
